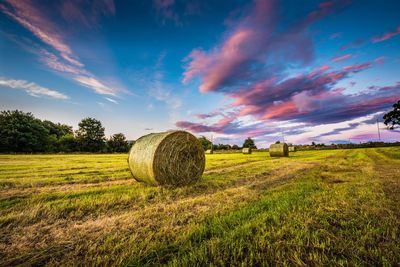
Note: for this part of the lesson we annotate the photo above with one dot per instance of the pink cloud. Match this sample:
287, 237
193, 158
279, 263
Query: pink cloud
364, 136
386, 36
63, 60
28, 16
241, 47
357, 67
344, 57
309, 98
254, 41
280, 109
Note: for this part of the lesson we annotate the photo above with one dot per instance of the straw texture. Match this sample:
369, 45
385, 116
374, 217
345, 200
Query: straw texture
292, 149
279, 150
246, 150
167, 158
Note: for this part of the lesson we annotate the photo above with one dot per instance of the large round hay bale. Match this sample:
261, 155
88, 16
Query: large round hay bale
209, 151
292, 149
168, 158
279, 150
246, 150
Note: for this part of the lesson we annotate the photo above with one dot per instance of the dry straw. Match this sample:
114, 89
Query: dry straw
246, 150
292, 149
209, 151
168, 158
279, 150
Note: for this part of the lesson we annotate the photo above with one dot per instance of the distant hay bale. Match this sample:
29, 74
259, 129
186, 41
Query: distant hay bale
246, 150
279, 150
209, 151
167, 158
292, 149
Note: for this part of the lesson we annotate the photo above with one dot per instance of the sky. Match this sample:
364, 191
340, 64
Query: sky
292, 70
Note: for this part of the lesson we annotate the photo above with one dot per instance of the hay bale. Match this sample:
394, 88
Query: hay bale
168, 158
209, 151
292, 149
279, 150
246, 150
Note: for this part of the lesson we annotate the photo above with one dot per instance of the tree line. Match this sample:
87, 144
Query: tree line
207, 144
21, 132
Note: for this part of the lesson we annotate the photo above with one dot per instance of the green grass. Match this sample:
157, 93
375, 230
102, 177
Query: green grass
332, 207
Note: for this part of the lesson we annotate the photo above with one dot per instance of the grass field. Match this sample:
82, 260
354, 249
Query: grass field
333, 207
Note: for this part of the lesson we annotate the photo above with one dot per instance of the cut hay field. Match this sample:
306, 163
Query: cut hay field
332, 207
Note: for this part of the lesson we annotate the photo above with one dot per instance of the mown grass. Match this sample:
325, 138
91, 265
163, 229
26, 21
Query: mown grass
336, 207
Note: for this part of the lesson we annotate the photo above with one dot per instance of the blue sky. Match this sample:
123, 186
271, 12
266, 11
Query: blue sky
320, 71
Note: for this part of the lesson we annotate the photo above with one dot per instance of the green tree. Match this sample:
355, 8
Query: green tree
249, 143
57, 129
67, 143
22, 132
117, 143
235, 147
392, 118
90, 135
52, 143
205, 142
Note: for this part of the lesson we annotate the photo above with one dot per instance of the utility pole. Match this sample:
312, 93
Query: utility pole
379, 133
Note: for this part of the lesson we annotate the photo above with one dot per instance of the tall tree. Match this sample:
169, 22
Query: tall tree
117, 143
22, 132
90, 135
392, 118
205, 143
249, 143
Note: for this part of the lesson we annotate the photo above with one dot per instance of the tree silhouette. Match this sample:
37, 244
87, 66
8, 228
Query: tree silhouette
90, 135
392, 118
249, 143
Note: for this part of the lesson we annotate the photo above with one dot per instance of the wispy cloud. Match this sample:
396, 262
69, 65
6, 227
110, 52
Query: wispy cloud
341, 58
63, 60
111, 100
153, 81
32, 88
29, 17
96, 85
165, 95
386, 36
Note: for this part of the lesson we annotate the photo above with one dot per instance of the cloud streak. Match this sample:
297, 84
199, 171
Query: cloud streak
341, 58
32, 88
63, 60
258, 41
386, 36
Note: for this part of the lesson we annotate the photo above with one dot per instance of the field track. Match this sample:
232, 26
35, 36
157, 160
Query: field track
316, 207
